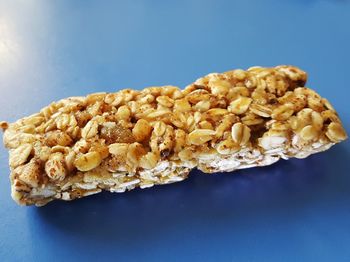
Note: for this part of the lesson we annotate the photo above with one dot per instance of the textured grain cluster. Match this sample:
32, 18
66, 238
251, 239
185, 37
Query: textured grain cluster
118, 141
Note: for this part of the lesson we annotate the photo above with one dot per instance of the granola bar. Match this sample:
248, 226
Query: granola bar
119, 141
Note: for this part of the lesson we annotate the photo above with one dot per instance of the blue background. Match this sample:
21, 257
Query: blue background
295, 210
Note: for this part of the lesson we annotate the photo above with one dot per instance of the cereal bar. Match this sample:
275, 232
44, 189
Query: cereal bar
80, 146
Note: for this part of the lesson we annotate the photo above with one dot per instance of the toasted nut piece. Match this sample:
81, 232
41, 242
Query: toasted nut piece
88, 161
335, 132
240, 133
142, 130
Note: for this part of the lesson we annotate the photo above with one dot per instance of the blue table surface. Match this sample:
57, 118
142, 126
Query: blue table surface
295, 210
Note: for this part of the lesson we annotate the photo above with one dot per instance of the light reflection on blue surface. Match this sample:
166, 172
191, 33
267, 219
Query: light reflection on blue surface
295, 210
